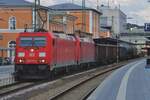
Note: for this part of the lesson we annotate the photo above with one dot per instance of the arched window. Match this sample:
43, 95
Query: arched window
12, 23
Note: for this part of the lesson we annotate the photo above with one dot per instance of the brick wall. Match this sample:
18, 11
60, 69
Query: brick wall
95, 21
23, 16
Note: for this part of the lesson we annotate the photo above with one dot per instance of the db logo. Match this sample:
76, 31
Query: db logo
32, 54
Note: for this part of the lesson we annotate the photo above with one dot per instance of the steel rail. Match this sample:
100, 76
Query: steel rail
59, 95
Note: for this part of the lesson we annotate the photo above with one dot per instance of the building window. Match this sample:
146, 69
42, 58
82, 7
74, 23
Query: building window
104, 21
12, 23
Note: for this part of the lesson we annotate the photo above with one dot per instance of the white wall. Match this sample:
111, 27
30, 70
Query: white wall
115, 18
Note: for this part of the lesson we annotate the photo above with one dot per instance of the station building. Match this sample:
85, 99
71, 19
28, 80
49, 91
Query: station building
61, 22
88, 19
15, 15
137, 36
113, 21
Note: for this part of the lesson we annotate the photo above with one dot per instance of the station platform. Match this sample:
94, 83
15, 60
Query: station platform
131, 82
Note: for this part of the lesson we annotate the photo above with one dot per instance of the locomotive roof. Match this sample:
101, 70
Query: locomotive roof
59, 35
86, 39
72, 37
64, 36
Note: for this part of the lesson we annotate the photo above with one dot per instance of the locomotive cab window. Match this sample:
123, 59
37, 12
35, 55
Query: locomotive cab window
39, 41
33, 41
26, 41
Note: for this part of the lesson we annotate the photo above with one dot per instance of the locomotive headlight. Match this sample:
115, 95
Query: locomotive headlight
32, 50
21, 61
43, 61
42, 54
21, 54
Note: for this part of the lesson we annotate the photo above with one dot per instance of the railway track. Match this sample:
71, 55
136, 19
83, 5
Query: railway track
16, 87
75, 90
60, 88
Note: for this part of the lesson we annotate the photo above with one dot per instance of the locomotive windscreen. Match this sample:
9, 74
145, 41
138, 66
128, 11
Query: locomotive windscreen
39, 41
33, 41
26, 41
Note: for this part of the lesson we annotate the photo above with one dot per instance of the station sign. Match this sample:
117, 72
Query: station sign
147, 26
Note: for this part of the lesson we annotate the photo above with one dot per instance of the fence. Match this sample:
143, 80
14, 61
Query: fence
7, 80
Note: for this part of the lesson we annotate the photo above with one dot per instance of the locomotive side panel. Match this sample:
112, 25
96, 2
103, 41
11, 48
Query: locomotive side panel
87, 52
64, 53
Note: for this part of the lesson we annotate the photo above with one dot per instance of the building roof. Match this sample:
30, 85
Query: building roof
70, 6
15, 3
108, 9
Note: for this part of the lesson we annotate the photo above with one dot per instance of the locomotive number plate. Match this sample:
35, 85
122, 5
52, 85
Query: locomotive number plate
31, 61
32, 54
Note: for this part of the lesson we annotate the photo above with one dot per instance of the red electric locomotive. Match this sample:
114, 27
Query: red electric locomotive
38, 54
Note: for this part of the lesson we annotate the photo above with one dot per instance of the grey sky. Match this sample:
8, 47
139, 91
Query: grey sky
137, 9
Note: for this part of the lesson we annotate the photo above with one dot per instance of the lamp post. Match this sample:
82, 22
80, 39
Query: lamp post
73, 1
83, 16
36, 2
97, 5
117, 37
